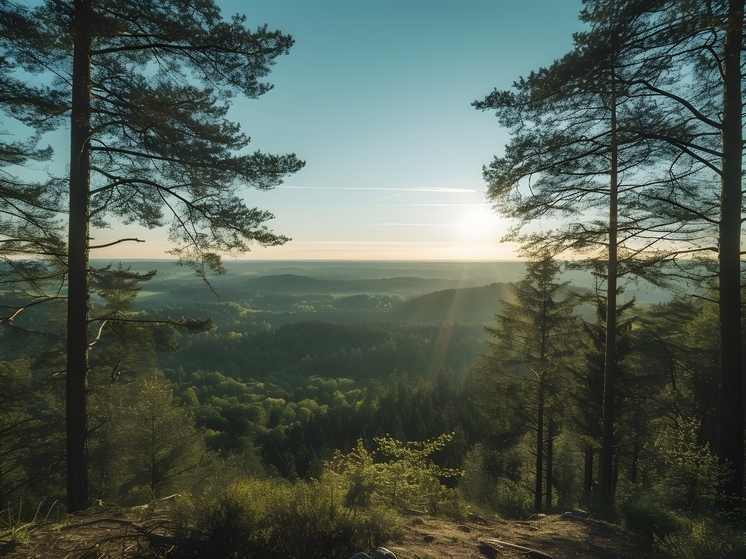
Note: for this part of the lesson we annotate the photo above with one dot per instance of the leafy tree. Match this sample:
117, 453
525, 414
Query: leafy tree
407, 477
533, 335
145, 89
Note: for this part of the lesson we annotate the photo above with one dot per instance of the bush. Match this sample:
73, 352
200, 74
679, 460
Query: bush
647, 514
404, 477
275, 519
703, 539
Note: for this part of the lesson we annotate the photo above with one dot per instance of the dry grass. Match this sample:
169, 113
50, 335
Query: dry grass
561, 538
147, 532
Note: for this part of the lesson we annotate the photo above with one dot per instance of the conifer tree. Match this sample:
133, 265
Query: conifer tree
687, 57
672, 70
145, 88
532, 336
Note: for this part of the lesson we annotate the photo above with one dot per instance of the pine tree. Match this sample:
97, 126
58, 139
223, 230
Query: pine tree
145, 88
670, 73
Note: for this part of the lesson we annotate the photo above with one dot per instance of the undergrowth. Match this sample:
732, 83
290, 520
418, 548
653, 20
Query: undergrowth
274, 519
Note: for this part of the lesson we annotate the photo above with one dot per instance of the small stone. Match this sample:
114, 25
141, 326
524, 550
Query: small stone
463, 528
382, 553
428, 539
487, 550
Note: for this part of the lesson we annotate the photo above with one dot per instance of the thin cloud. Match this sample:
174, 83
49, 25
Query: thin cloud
408, 224
425, 243
383, 188
431, 205
386, 198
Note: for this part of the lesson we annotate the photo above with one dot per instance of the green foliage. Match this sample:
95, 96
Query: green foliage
405, 477
682, 486
29, 463
702, 538
683, 472
534, 337
146, 445
275, 519
327, 349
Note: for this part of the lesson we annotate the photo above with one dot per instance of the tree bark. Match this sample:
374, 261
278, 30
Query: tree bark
550, 464
607, 433
77, 304
539, 447
731, 375
635, 459
588, 479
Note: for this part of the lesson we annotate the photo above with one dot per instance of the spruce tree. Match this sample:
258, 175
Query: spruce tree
532, 337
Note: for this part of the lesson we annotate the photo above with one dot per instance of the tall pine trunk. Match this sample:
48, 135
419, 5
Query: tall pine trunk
550, 462
539, 447
77, 303
731, 380
607, 431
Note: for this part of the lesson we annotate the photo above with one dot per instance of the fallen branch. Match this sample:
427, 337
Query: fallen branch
153, 539
533, 553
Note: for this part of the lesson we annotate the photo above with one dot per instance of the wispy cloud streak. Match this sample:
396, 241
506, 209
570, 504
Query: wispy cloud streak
432, 205
416, 189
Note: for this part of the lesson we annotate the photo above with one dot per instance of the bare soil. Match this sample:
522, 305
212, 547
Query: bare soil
147, 532
491, 537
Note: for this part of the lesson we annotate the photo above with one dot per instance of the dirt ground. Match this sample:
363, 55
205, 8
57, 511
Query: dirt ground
490, 537
106, 533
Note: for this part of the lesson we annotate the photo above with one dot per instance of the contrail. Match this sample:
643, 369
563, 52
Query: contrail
432, 205
386, 198
408, 224
423, 189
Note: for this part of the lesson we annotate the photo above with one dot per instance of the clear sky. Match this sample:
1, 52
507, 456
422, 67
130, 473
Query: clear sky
376, 97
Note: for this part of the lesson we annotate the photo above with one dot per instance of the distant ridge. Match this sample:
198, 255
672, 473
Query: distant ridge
467, 304
304, 285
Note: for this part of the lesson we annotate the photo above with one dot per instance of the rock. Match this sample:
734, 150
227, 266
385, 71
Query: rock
463, 528
428, 539
487, 550
382, 553
360, 556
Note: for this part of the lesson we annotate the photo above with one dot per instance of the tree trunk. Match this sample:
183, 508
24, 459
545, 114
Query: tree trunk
77, 303
550, 449
153, 458
635, 459
539, 446
730, 448
607, 432
588, 479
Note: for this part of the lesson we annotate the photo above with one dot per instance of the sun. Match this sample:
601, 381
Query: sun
477, 223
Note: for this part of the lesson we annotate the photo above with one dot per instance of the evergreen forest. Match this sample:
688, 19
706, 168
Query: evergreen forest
601, 374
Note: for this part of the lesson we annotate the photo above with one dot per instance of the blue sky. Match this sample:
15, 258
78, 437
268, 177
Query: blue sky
375, 97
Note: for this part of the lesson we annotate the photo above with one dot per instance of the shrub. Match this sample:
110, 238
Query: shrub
275, 519
703, 539
404, 478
